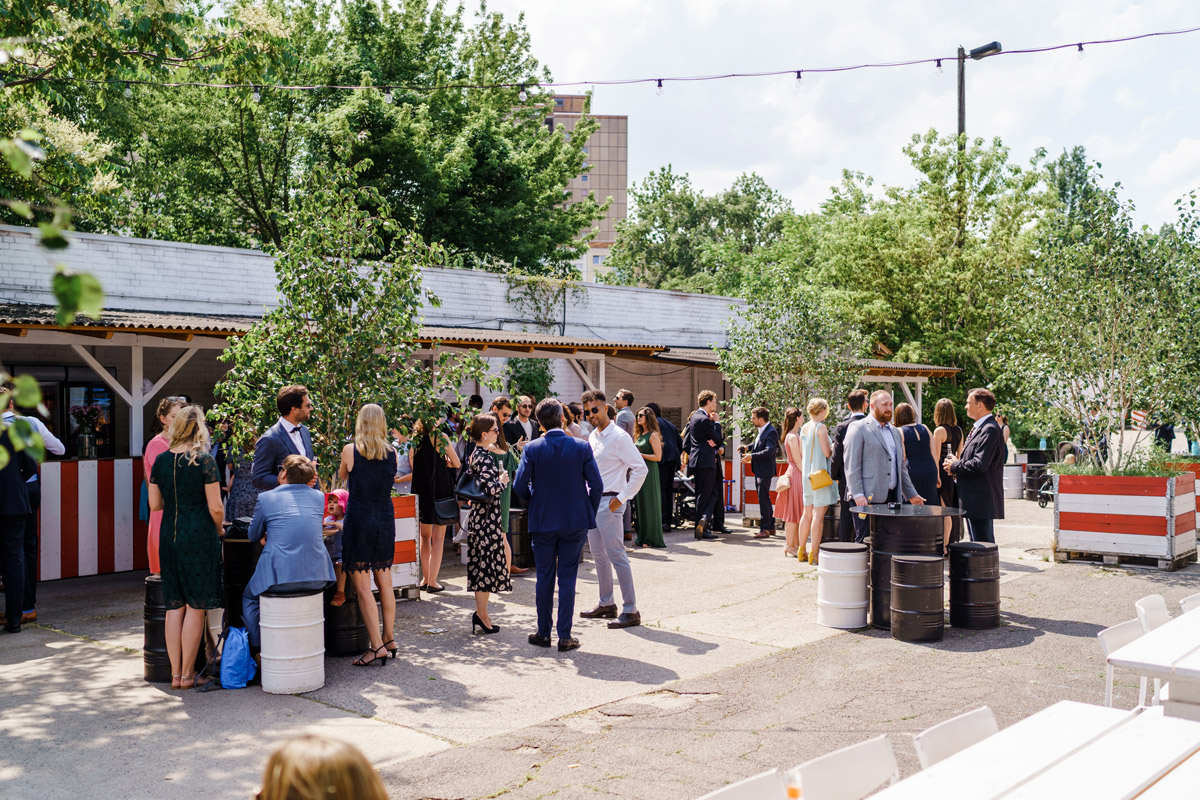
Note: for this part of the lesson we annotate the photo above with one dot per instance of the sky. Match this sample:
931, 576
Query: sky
1133, 106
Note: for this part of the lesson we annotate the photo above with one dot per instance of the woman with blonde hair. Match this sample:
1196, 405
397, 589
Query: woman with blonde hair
314, 767
817, 450
368, 467
947, 440
789, 501
164, 415
184, 489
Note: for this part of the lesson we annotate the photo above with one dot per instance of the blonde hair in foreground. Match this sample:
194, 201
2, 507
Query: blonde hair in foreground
315, 767
189, 428
370, 432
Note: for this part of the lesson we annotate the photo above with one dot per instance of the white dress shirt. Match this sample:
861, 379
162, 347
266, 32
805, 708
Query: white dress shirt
295, 435
48, 439
622, 468
527, 426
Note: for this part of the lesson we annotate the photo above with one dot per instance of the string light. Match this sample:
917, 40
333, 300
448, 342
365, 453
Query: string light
256, 96
387, 95
128, 91
524, 95
797, 83
659, 91
940, 71
936, 61
1080, 54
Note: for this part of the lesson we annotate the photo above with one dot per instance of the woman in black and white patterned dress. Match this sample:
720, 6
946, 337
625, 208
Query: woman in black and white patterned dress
487, 568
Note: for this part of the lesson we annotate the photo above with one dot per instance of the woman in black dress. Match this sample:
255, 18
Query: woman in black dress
918, 449
432, 458
184, 487
947, 440
487, 563
369, 529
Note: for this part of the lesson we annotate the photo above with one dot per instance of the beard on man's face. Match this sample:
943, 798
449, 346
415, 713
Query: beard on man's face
883, 415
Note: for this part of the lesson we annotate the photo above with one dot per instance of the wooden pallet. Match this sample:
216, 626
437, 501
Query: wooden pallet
408, 593
1125, 560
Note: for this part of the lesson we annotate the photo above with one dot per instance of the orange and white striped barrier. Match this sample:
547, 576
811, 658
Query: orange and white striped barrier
1126, 516
750, 493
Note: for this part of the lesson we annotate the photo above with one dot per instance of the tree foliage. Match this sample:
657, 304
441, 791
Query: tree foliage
346, 325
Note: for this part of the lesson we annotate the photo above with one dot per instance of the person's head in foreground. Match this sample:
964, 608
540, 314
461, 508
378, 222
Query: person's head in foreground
313, 767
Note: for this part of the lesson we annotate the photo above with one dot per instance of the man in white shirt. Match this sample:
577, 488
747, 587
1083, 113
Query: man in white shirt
622, 471
33, 489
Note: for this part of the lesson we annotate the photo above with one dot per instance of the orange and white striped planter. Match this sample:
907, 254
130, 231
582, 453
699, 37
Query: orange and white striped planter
1188, 466
750, 493
406, 571
1114, 516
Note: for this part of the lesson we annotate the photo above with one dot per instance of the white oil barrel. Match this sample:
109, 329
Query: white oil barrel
293, 642
1014, 478
842, 595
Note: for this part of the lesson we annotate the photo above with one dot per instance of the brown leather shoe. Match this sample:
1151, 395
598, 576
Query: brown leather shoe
600, 612
517, 570
627, 620
29, 616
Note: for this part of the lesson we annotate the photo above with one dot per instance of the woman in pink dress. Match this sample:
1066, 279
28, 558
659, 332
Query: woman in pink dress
789, 503
167, 408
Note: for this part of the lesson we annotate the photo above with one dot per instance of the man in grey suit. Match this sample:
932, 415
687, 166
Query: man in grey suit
288, 521
876, 469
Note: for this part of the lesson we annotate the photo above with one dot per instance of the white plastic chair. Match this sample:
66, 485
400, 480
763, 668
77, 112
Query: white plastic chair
851, 773
765, 786
945, 739
1112, 639
1190, 603
1152, 612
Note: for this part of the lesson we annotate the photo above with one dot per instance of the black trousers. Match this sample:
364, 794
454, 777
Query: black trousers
766, 514
34, 491
981, 529
862, 527
666, 481
12, 565
706, 491
846, 531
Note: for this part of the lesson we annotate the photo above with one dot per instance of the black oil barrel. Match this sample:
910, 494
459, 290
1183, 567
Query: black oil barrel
239, 557
916, 611
974, 585
156, 664
345, 632
894, 536
1033, 480
829, 526
519, 538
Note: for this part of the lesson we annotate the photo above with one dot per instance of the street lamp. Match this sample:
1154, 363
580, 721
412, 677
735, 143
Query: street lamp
983, 51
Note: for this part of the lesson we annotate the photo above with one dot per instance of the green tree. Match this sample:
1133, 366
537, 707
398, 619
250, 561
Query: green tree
530, 376
346, 325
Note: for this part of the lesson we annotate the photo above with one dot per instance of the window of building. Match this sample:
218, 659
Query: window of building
583, 178
558, 101
597, 260
585, 151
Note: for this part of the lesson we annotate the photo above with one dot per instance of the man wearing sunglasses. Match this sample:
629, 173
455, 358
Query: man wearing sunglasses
522, 430
622, 470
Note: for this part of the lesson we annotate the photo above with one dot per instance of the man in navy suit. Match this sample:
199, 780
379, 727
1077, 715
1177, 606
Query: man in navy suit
287, 437
702, 440
980, 468
761, 458
14, 510
559, 480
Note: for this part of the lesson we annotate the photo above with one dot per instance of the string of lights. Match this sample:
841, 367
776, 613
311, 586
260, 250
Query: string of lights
526, 86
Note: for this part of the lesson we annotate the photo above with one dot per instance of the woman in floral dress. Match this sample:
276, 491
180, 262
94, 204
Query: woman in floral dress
487, 566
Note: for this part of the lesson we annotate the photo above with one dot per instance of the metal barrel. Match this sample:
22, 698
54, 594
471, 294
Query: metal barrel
345, 632
842, 585
974, 585
896, 536
156, 663
1033, 480
239, 557
519, 538
916, 611
829, 526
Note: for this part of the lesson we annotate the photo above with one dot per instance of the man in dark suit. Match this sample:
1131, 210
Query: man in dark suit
14, 511
980, 469
559, 480
849, 525
522, 429
287, 437
672, 446
761, 457
702, 440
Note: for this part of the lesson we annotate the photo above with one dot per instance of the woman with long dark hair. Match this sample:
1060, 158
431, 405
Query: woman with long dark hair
487, 557
648, 506
790, 502
947, 440
432, 458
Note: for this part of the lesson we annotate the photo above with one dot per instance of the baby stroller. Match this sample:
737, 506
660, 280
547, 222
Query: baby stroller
684, 512
1046, 490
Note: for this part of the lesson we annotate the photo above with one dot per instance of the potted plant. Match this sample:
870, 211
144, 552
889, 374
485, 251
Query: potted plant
86, 419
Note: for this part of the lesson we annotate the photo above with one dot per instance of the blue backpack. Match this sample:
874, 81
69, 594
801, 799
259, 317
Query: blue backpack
237, 665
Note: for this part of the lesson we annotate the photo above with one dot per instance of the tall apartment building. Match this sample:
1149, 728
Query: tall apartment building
607, 153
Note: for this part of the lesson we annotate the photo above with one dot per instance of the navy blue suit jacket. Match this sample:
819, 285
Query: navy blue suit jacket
272, 448
559, 480
672, 444
762, 458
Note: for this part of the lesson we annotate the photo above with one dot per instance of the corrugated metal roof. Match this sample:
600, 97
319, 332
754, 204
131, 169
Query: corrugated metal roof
487, 336
20, 314
706, 357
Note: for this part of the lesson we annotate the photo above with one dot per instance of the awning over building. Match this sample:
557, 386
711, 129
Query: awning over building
707, 358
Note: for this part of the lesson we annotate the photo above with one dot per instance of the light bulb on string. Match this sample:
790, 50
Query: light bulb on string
128, 91
523, 95
387, 95
797, 84
1079, 52
256, 95
939, 69
3, 56
659, 90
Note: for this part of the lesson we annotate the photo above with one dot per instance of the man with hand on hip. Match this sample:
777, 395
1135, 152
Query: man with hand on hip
559, 481
876, 469
980, 468
622, 471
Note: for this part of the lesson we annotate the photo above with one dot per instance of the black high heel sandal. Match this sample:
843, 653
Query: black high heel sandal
476, 622
393, 651
375, 658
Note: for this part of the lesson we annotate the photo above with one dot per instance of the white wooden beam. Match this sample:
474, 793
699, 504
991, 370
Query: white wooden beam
136, 415
582, 373
184, 357
602, 383
104, 374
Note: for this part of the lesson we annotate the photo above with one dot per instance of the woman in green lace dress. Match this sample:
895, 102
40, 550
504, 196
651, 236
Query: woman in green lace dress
649, 498
184, 486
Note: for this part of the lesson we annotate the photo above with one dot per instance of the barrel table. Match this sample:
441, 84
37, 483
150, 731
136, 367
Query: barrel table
519, 538
239, 557
842, 585
974, 585
905, 530
917, 598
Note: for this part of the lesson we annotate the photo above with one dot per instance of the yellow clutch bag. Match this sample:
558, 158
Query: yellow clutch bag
819, 479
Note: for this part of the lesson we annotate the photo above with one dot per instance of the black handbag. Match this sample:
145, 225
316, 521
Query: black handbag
445, 511
468, 488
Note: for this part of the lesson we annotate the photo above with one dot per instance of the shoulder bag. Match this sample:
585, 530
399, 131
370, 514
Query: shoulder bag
783, 483
818, 478
468, 487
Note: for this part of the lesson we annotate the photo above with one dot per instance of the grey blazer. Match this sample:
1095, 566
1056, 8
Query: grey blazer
868, 468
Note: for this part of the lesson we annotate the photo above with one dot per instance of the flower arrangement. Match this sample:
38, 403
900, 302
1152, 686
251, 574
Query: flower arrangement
86, 417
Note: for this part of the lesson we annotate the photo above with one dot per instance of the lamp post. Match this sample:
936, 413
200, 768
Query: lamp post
983, 51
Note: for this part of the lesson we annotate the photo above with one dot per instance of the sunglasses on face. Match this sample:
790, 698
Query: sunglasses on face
592, 410
526, 405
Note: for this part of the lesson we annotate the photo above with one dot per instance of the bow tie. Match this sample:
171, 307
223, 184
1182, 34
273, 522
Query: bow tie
295, 429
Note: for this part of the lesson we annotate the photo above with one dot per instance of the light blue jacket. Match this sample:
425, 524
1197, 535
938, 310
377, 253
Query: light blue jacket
290, 517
